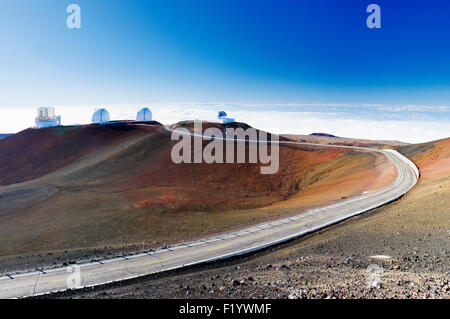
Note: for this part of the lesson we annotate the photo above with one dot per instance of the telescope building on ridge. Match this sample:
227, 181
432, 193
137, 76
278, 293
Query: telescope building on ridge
222, 116
46, 117
100, 116
144, 115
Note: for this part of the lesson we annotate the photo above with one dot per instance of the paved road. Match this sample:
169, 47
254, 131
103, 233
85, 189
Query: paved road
209, 249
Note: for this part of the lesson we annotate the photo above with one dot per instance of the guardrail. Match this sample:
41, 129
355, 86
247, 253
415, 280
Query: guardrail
406, 160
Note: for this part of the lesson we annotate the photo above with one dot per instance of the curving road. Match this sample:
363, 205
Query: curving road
213, 248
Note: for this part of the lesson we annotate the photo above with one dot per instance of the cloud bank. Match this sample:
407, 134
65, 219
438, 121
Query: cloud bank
412, 124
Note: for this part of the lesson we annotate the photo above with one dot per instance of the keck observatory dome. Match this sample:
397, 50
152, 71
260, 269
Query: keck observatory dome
100, 116
144, 115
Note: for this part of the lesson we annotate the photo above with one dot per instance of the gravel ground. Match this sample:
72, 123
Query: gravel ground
301, 274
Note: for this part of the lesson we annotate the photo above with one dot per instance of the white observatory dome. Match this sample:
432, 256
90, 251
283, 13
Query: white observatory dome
221, 115
100, 116
144, 115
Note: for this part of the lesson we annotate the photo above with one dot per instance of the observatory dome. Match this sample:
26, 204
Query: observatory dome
144, 115
222, 114
100, 116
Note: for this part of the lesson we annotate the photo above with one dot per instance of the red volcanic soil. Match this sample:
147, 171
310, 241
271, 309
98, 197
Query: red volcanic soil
146, 173
230, 185
433, 158
323, 138
33, 153
95, 189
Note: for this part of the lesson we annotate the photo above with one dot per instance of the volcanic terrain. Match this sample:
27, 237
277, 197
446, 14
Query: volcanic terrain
401, 250
96, 191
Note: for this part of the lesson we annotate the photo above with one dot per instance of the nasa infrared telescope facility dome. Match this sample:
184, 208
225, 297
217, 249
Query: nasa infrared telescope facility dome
100, 116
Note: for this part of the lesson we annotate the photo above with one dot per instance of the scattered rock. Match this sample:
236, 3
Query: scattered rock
284, 267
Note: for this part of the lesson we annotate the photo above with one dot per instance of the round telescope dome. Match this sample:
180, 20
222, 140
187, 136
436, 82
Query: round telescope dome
100, 116
222, 114
144, 115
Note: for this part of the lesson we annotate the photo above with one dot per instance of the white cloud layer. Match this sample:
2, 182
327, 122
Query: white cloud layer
288, 122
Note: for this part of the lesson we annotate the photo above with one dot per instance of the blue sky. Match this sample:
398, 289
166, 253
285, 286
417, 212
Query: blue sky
279, 55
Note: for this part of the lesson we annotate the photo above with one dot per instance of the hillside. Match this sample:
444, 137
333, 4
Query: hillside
323, 138
99, 190
432, 158
33, 153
